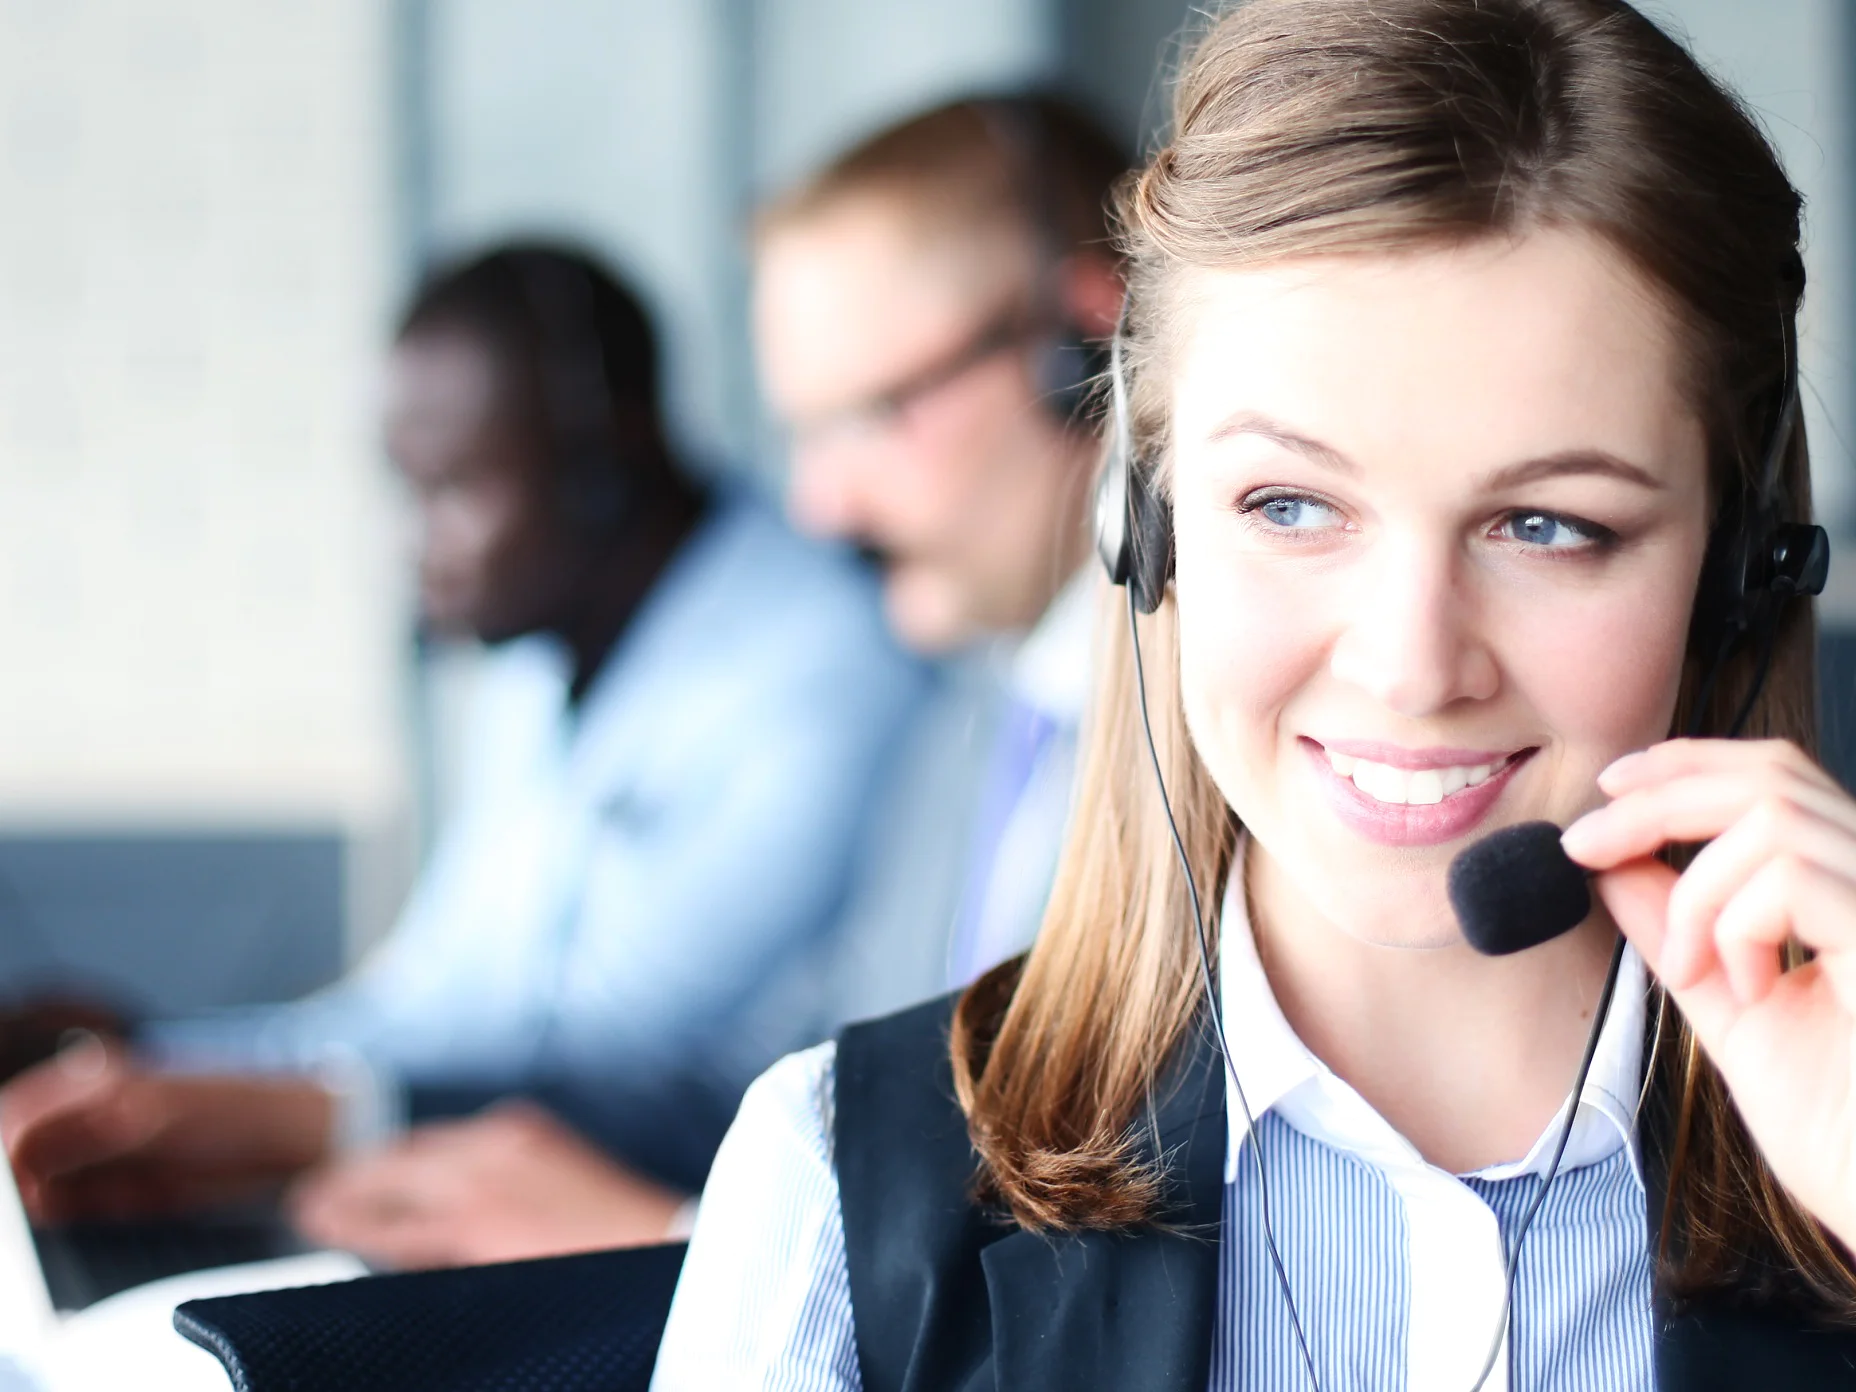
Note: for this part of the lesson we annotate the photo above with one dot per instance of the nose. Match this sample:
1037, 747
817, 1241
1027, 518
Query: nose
1412, 638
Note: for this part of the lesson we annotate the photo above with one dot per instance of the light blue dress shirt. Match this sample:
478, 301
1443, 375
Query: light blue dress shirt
943, 891
625, 887
1396, 1265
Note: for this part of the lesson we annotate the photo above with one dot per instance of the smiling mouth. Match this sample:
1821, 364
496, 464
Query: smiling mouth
1407, 787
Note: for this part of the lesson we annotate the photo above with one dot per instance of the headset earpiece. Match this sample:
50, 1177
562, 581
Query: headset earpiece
596, 489
1068, 368
1133, 525
1067, 365
1756, 559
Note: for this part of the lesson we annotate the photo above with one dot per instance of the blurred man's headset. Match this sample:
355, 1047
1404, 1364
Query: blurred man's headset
598, 487
1066, 365
1758, 558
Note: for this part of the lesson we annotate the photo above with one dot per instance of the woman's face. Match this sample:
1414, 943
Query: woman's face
1440, 518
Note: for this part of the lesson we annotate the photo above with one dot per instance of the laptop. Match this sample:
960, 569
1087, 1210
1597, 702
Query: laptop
50, 1274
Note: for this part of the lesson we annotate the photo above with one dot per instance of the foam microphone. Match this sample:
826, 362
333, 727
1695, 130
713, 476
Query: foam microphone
1516, 888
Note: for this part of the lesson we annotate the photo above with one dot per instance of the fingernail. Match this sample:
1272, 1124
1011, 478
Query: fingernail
1579, 839
83, 1055
1619, 770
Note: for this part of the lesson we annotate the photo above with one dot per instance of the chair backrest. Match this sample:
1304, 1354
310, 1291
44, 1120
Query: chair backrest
585, 1323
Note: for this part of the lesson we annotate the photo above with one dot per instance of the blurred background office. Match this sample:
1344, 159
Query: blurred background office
220, 749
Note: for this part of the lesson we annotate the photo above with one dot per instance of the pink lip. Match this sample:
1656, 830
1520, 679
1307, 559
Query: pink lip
1393, 825
1397, 756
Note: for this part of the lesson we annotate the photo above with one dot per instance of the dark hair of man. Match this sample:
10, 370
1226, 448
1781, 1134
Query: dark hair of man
577, 354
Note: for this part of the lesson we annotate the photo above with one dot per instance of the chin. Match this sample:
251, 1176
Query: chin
1414, 915
1385, 896
926, 614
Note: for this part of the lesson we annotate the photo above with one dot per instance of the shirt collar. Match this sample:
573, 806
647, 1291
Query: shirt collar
1050, 669
1279, 1074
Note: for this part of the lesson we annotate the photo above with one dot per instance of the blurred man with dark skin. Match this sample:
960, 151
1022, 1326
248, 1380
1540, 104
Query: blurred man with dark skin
928, 315
681, 725
924, 314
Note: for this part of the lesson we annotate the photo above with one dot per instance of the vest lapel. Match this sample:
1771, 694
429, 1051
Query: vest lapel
1124, 1311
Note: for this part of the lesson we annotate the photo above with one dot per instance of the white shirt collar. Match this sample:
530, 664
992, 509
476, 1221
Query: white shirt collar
1279, 1073
1050, 668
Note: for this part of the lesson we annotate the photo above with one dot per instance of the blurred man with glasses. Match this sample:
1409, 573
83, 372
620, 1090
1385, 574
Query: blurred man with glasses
930, 314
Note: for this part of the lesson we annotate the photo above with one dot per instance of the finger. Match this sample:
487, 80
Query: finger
1637, 897
141, 1188
371, 1199
1752, 928
1723, 868
437, 1135
408, 1236
93, 1127
1786, 894
1698, 807
1679, 758
67, 1079
414, 1247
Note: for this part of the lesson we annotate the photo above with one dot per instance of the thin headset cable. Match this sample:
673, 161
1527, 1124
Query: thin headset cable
1211, 1001
1504, 1330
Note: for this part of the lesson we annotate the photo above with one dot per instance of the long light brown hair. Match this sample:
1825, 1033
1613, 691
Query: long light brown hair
1322, 126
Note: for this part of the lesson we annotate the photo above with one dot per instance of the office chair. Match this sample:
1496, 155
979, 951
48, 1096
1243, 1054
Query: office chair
584, 1323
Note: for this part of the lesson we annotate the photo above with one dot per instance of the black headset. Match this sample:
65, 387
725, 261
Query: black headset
598, 492
1133, 527
1066, 365
1757, 559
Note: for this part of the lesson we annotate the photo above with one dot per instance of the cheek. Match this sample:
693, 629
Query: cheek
1603, 672
1247, 645
978, 446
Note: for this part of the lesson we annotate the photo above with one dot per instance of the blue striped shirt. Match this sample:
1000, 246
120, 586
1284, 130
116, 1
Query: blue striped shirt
1396, 1266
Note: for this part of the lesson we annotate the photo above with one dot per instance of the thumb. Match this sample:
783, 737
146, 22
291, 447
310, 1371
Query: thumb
1637, 896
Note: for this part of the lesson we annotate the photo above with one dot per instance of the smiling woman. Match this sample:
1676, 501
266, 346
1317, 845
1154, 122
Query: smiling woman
1458, 366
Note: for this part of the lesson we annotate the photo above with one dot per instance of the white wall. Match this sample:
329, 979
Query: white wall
1791, 60
604, 121
829, 71
200, 607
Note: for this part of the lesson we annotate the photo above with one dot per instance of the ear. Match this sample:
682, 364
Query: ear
1091, 286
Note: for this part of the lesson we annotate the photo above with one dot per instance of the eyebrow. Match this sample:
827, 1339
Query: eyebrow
1560, 465
1250, 423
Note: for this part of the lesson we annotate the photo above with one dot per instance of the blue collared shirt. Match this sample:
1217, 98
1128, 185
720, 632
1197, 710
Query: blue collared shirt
626, 883
1395, 1264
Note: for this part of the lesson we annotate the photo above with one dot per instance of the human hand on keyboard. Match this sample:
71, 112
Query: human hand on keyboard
91, 1133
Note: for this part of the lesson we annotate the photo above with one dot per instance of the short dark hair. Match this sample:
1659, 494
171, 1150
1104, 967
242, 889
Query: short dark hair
575, 345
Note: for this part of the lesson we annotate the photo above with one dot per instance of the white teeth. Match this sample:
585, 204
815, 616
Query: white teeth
1416, 787
1381, 782
1425, 788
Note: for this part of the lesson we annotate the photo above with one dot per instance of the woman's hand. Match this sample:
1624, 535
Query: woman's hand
1780, 863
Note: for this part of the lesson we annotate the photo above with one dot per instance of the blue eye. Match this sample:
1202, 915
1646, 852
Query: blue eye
1295, 513
1549, 530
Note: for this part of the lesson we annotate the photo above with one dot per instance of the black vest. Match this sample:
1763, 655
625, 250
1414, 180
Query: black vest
950, 1298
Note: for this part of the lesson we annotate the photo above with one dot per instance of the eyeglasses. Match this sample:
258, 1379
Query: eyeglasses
879, 410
